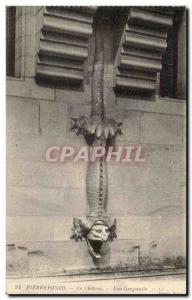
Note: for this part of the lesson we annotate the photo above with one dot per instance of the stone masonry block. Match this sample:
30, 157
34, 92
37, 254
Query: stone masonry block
167, 156
20, 26
58, 228
160, 105
28, 88
44, 174
30, 66
131, 125
47, 258
40, 201
143, 190
22, 116
161, 129
30, 147
75, 96
53, 118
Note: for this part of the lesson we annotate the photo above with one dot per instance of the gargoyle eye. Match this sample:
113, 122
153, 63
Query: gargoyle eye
99, 230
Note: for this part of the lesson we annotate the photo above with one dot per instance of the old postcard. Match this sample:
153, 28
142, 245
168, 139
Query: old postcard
96, 150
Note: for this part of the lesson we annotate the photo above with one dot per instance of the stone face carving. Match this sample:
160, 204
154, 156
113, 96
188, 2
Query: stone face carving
98, 131
95, 233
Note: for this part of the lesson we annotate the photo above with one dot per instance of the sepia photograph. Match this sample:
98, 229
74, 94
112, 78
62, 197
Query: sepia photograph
96, 150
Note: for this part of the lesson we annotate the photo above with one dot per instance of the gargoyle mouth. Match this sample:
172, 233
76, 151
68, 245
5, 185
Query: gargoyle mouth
94, 248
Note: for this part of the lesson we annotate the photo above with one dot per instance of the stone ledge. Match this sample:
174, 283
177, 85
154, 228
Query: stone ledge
107, 275
55, 258
160, 105
28, 89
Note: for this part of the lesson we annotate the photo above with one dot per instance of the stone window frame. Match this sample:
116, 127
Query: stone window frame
28, 20
20, 45
19, 63
181, 61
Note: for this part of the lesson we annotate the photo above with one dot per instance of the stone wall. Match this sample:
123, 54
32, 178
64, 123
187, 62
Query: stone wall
148, 199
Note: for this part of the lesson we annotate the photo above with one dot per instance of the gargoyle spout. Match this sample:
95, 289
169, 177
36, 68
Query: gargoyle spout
98, 131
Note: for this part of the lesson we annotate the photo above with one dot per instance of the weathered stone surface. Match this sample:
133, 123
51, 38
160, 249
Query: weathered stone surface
47, 258
30, 66
25, 42
130, 128
32, 228
30, 10
28, 89
129, 228
142, 190
152, 233
39, 20
18, 12
54, 118
20, 28
161, 245
76, 96
30, 24
30, 147
169, 233
160, 105
161, 129
57, 227
30, 47
22, 116
40, 201
54, 215
19, 67
18, 47
40, 174
76, 110
55, 258
164, 156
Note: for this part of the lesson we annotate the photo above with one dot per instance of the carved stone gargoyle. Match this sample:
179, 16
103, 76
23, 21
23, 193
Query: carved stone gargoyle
98, 131
95, 233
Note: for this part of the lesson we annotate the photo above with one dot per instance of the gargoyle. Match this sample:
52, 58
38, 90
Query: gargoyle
95, 234
98, 131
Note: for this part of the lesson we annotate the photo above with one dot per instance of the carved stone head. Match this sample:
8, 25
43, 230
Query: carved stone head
95, 234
